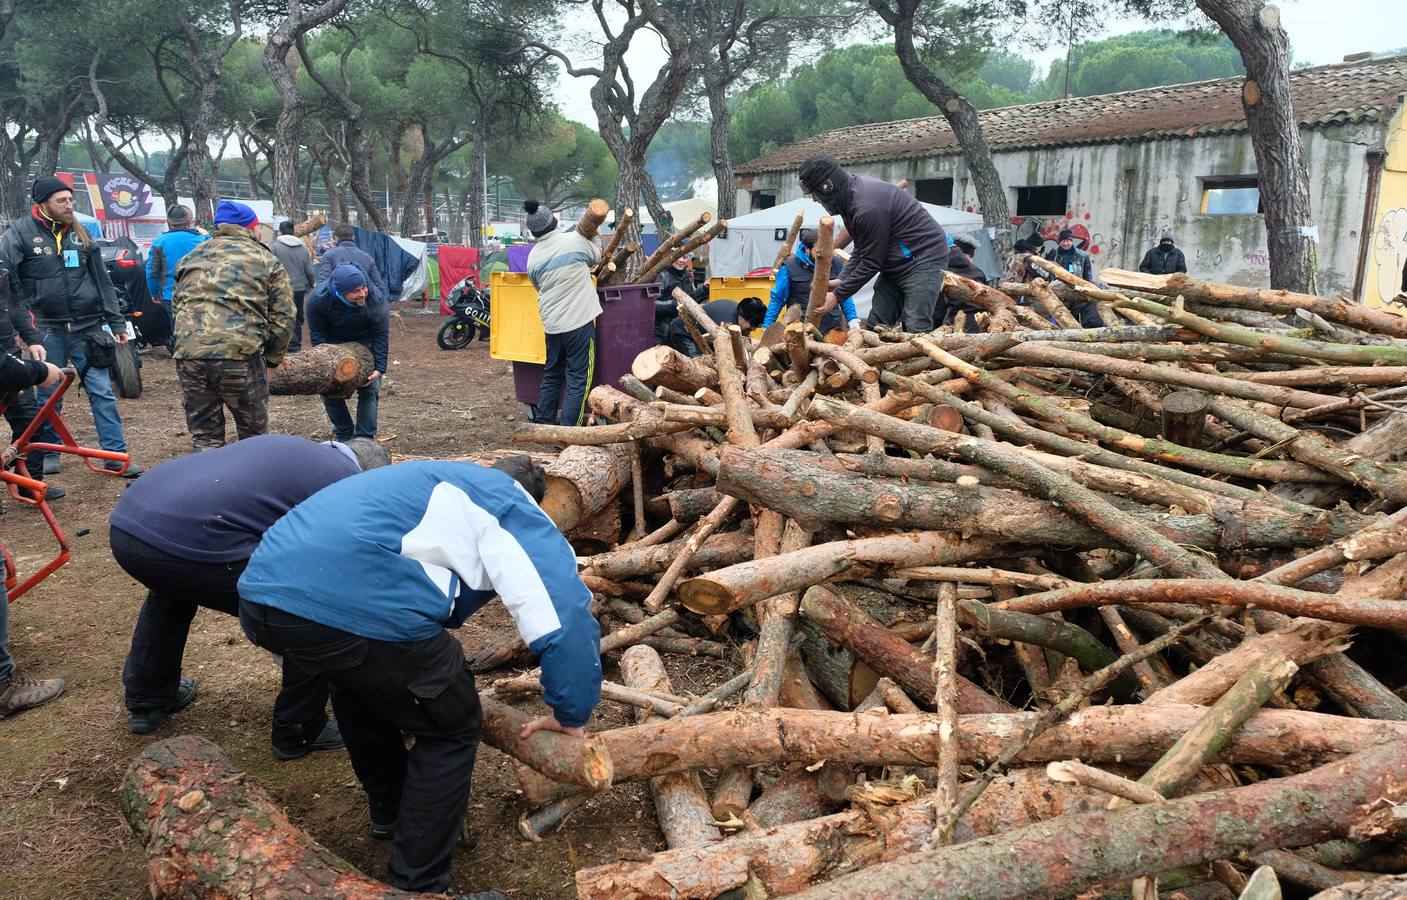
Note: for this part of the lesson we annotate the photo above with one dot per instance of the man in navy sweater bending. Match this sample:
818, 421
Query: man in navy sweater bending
360, 582
344, 310
186, 533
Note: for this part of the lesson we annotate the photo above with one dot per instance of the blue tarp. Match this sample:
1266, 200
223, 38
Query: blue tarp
395, 264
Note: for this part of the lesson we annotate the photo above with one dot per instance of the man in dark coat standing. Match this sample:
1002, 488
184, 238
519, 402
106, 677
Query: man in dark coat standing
346, 251
1165, 258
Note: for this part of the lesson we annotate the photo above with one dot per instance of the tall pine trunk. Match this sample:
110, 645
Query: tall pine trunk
718, 140
475, 193
1270, 116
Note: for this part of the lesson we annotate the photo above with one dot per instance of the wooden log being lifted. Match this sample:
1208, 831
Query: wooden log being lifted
333, 370
593, 218
670, 248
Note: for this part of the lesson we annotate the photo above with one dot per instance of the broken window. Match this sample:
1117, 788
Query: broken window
938, 191
1231, 196
1043, 200
763, 200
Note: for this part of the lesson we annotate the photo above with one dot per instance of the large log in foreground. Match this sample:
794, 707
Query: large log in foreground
1063, 855
209, 831
334, 370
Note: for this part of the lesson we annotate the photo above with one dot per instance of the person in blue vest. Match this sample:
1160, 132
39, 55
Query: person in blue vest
793, 286
343, 310
179, 239
186, 532
360, 583
1076, 261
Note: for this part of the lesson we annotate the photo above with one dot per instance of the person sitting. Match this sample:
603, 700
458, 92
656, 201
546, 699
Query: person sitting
345, 311
747, 313
793, 286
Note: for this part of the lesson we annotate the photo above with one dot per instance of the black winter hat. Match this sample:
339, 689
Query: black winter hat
822, 176
46, 187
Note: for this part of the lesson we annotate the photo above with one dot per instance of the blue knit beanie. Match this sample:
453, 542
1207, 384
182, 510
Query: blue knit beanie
232, 213
347, 278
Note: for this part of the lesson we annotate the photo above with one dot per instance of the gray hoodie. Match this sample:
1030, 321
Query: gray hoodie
293, 253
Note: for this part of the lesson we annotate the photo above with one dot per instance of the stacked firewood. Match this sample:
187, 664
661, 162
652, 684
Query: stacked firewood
1032, 611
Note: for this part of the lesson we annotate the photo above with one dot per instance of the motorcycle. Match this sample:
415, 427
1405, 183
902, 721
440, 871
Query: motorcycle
469, 315
147, 322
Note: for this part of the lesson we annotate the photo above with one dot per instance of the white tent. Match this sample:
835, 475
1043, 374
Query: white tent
752, 241
682, 210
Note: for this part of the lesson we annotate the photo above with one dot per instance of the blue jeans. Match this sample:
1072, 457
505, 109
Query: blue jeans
7, 665
571, 358
64, 348
368, 402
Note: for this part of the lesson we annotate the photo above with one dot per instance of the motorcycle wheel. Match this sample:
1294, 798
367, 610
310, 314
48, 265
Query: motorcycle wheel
127, 372
455, 335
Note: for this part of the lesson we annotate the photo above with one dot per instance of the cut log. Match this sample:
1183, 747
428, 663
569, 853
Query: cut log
333, 370
820, 278
667, 367
680, 801
581, 761
582, 481
1060, 857
784, 251
633, 562
799, 794
593, 218
1184, 417
209, 830
661, 257
888, 654
1386, 887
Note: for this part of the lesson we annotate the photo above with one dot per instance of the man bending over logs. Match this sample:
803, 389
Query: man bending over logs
360, 582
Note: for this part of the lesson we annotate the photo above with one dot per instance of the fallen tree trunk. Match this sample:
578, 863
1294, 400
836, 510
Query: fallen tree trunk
1059, 857
633, 562
333, 370
581, 761
210, 831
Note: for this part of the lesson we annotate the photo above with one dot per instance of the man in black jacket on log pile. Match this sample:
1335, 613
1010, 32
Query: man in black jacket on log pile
747, 313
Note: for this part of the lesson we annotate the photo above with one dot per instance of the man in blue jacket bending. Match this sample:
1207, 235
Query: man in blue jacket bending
345, 311
360, 582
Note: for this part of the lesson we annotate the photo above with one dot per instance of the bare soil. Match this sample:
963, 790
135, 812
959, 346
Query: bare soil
61, 833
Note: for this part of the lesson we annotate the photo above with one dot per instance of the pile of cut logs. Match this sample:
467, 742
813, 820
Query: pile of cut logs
1035, 611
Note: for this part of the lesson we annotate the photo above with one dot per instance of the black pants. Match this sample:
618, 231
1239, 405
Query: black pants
566, 378
19, 413
295, 344
175, 589
381, 690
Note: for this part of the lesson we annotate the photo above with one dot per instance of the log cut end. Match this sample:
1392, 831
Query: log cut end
706, 598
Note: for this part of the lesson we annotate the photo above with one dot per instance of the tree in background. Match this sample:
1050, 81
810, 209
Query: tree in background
1144, 59
557, 161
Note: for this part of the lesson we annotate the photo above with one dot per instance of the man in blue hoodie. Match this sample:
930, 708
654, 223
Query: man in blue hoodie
793, 286
344, 311
179, 239
360, 582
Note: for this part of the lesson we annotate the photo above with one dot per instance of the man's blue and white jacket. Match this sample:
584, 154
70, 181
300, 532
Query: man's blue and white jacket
397, 553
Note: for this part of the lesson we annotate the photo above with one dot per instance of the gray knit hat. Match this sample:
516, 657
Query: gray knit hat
540, 220
1167, 235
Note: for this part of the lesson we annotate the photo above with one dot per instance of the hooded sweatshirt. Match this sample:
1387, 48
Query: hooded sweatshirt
892, 232
293, 253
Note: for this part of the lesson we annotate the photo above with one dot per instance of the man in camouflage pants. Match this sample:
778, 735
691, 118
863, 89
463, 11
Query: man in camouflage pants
233, 304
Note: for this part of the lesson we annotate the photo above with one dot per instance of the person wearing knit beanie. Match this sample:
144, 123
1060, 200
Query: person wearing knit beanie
231, 213
540, 220
46, 187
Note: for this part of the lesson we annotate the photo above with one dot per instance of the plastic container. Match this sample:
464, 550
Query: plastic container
517, 323
625, 328
734, 287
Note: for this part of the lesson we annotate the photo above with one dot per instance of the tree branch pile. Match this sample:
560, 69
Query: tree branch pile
921, 568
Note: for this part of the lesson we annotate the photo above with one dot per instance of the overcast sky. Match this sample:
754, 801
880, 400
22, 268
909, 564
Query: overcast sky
1321, 31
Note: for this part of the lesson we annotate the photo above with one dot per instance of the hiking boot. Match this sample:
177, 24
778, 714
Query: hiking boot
53, 493
133, 470
148, 720
19, 693
330, 738
52, 465
384, 815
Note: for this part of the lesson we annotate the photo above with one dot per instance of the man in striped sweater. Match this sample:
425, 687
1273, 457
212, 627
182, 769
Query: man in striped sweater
360, 582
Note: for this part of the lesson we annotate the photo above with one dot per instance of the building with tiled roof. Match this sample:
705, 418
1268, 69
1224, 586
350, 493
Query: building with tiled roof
1129, 165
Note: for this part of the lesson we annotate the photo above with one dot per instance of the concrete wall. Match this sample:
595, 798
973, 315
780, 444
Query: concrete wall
1126, 194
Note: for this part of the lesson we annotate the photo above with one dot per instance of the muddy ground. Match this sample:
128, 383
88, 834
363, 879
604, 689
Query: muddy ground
61, 833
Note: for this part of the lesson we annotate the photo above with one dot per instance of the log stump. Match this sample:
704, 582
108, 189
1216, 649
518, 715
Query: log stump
333, 370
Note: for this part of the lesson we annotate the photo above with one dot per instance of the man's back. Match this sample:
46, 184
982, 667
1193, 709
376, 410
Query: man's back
293, 253
167, 251
348, 253
215, 506
892, 232
232, 300
559, 265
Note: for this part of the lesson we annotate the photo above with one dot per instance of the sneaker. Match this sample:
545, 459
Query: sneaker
384, 815
19, 693
52, 465
148, 720
330, 738
53, 493
132, 471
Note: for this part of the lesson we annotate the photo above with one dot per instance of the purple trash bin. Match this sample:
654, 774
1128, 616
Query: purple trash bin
625, 328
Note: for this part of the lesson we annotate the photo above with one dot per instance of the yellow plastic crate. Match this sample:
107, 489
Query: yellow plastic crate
516, 330
736, 287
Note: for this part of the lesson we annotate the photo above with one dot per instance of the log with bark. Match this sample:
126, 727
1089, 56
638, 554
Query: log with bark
333, 370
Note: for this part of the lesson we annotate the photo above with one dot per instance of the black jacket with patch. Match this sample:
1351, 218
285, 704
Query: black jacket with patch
79, 296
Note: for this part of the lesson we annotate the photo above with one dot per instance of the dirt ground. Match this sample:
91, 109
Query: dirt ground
61, 833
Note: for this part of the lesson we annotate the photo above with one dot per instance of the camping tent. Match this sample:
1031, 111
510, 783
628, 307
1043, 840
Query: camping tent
683, 211
752, 241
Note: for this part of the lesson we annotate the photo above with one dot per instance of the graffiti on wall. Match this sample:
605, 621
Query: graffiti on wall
1390, 252
1077, 220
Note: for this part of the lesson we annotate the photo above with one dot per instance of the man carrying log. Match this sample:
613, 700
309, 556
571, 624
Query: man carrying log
344, 311
360, 582
234, 316
793, 287
560, 268
186, 533
895, 238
